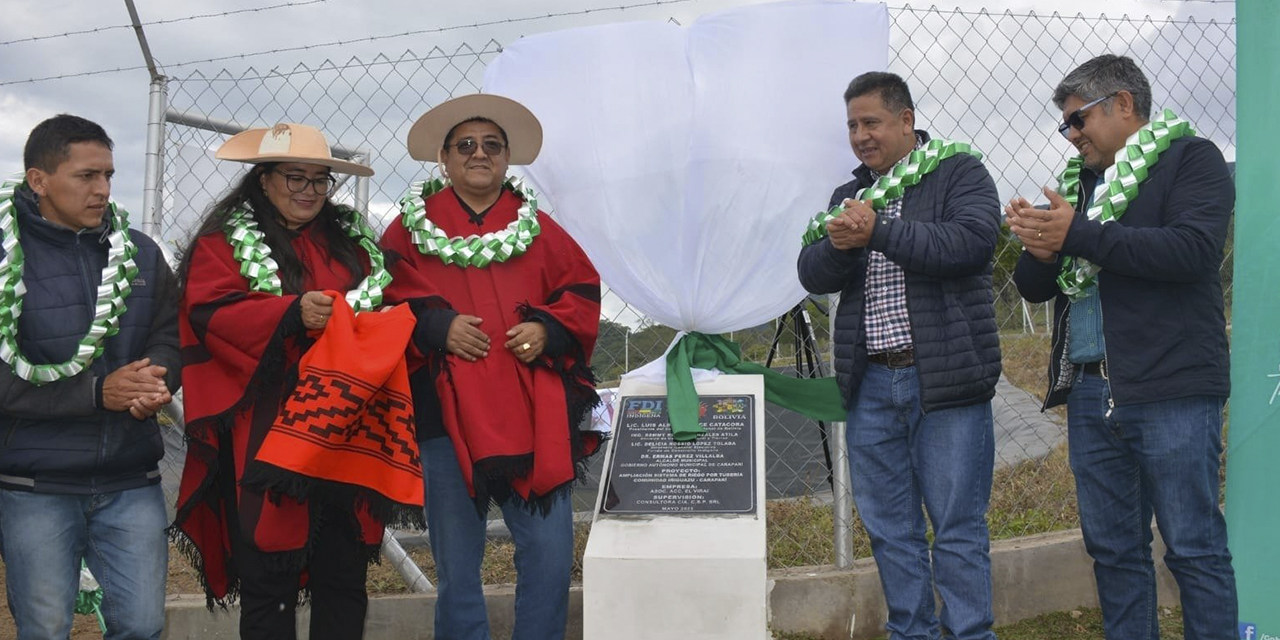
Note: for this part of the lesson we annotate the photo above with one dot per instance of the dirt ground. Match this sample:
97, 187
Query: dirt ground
181, 580
86, 627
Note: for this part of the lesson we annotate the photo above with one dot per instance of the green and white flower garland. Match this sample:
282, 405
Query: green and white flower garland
473, 250
108, 308
1141, 152
919, 163
249, 246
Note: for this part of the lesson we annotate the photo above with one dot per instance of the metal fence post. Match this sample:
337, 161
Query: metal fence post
154, 171
841, 492
408, 569
362, 183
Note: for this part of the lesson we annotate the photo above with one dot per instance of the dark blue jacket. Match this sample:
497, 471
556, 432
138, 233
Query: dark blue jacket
55, 438
944, 243
1160, 287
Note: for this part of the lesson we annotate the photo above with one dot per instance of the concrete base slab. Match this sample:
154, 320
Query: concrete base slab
1031, 576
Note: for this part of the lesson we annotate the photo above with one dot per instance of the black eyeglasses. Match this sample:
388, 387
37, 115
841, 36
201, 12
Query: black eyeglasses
298, 183
468, 146
1076, 119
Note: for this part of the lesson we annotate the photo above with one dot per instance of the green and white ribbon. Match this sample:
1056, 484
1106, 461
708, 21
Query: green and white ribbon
1132, 163
89, 597
108, 307
249, 246
817, 398
918, 164
473, 250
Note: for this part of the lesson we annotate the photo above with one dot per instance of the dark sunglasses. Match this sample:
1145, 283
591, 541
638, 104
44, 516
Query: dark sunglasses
468, 146
1076, 119
297, 183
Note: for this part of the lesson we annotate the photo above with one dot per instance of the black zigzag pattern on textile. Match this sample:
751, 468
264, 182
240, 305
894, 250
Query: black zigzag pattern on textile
388, 410
311, 389
332, 423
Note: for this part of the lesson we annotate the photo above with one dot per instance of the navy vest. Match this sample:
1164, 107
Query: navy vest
107, 451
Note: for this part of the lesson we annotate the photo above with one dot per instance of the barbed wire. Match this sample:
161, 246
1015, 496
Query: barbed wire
491, 47
160, 22
336, 43
579, 12
1055, 14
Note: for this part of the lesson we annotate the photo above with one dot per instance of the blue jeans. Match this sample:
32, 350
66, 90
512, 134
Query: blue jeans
1161, 458
119, 535
900, 459
544, 555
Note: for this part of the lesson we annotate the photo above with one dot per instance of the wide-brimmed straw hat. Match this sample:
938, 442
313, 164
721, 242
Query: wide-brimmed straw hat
524, 132
286, 142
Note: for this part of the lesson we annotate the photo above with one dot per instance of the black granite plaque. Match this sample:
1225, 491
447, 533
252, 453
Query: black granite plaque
651, 473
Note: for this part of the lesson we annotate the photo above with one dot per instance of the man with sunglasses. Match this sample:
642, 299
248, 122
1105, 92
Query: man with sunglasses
508, 308
917, 356
1129, 250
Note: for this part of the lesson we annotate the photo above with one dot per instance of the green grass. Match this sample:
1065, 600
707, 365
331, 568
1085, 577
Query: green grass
1080, 624
1029, 498
1025, 360
800, 533
1033, 496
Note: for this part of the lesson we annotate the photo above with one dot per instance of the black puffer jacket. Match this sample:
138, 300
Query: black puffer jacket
944, 243
1161, 293
54, 438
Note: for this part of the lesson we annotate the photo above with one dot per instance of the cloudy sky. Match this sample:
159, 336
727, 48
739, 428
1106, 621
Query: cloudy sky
978, 77
119, 100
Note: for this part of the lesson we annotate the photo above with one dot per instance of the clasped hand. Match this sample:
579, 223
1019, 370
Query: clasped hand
467, 341
852, 228
137, 387
1042, 231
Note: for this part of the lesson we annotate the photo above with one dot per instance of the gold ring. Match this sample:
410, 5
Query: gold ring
526, 346
1039, 234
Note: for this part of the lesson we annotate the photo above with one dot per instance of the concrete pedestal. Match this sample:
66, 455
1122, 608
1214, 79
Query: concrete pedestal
692, 577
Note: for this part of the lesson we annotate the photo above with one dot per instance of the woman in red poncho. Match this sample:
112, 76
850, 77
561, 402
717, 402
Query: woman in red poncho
508, 309
254, 301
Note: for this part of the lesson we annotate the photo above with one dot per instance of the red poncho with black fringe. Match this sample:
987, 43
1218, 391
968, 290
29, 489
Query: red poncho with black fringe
514, 426
241, 351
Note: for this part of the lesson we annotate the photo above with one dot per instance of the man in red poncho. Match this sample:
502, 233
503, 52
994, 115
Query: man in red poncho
508, 308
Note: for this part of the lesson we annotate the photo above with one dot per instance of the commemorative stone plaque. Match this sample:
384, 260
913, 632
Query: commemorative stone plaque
679, 527
652, 473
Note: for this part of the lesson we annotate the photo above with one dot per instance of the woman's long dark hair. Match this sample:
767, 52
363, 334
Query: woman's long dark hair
248, 190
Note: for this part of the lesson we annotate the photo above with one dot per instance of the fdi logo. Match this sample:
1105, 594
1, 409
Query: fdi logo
637, 408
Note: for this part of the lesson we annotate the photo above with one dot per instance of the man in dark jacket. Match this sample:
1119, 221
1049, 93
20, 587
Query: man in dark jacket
89, 354
1139, 343
917, 355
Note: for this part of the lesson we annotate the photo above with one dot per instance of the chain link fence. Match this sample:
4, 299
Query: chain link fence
978, 76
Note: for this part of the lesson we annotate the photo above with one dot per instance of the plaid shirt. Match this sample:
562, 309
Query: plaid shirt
887, 323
